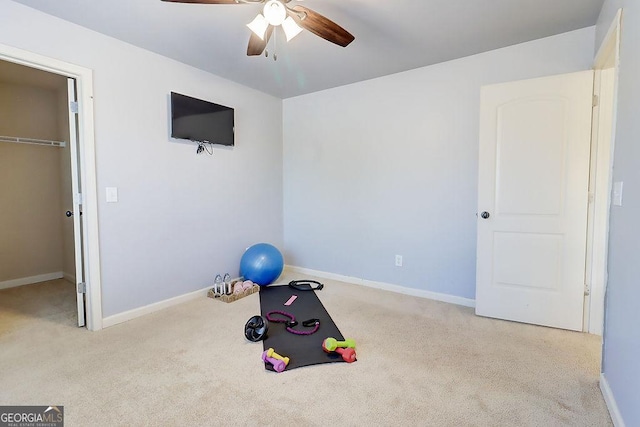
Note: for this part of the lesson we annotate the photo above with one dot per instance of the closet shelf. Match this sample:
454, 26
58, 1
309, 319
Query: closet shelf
33, 141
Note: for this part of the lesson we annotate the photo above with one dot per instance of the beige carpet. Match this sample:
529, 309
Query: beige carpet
420, 363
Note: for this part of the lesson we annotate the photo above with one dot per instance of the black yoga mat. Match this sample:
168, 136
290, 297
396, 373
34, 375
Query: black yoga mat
302, 350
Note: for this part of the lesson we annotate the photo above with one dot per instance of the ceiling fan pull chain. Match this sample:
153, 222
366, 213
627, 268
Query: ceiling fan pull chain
275, 47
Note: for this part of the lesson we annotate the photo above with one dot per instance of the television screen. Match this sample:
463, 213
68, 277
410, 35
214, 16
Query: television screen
200, 120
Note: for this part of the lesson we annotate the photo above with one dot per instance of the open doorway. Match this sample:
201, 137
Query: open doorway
80, 120
38, 272
533, 266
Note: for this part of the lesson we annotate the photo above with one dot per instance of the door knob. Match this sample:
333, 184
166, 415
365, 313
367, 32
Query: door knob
68, 213
485, 215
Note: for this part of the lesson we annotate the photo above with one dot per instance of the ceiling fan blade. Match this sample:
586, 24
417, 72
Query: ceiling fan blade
321, 26
256, 44
204, 1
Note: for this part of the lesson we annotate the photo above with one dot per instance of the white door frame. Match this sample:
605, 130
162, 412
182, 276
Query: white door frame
602, 142
86, 142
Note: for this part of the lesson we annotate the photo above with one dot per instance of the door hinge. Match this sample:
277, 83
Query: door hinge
596, 100
587, 289
73, 106
78, 198
82, 288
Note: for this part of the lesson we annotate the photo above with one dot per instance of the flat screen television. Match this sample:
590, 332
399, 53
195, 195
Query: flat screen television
201, 121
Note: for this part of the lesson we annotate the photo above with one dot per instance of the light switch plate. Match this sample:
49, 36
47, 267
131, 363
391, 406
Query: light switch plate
112, 194
617, 194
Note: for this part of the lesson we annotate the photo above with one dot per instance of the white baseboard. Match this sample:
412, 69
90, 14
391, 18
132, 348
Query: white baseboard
141, 311
610, 400
452, 299
30, 280
69, 277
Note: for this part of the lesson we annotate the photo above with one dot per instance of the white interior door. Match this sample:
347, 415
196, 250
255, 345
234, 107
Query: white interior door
533, 199
77, 199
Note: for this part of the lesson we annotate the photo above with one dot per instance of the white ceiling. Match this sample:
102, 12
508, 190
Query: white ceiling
390, 35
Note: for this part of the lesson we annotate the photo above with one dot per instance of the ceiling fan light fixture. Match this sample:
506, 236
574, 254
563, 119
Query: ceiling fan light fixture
259, 26
274, 12
291, 29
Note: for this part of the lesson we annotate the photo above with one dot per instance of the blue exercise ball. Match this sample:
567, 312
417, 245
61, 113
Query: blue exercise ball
262, 264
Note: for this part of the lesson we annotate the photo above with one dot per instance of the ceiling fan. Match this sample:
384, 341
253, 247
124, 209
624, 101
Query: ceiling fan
292, 20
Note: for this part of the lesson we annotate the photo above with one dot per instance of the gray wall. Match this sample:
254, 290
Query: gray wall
180, 218
621, 355
389, 166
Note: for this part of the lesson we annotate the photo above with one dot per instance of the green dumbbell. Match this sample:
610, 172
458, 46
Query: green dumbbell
330, 344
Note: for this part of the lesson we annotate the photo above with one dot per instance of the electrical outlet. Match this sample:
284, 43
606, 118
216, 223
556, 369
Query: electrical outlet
398, 260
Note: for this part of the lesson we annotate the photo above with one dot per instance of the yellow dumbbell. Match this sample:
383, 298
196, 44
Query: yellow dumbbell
271, 353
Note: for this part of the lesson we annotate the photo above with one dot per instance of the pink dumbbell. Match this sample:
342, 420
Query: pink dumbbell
278, 365
348, 354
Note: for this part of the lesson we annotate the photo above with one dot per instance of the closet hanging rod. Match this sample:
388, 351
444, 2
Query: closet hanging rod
33, 141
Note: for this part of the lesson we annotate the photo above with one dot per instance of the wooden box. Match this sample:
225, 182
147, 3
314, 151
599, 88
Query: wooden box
233, 297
